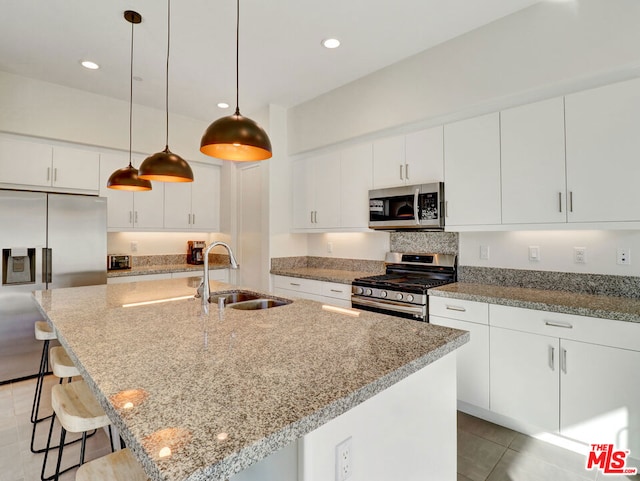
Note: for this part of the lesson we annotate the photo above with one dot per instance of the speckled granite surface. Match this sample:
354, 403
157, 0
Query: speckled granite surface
440, 242
327, 269
164, 268
606, 307
224, 390
599, 284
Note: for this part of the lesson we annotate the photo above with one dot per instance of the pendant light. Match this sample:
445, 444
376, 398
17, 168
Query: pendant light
127, 178
166, 166
236, 137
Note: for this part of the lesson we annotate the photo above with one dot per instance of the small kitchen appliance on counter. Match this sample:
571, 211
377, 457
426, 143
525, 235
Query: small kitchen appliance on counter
194, 252
402, 291
117, 262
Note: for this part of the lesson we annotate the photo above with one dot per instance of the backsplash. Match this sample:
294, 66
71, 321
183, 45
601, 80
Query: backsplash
173, 259
599, 284
362, 265
428, 242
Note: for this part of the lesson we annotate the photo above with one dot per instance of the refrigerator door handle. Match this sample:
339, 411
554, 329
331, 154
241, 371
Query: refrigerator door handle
46, 265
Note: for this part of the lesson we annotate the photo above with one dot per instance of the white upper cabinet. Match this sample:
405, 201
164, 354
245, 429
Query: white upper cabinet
472, 171
316, 192
355, 183
194, 205
415, 158
130, 210
533, 164
51, 167
603, 148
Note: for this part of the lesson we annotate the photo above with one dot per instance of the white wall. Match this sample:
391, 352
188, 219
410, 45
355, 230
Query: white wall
545, 50
153, 243
352, 245
511, 250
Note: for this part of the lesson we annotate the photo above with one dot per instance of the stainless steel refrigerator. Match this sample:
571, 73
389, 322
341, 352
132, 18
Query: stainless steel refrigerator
46, 241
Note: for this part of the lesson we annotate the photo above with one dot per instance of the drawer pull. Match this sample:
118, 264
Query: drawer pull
294, 284
552, 358
565, 325
337, 290
456, 308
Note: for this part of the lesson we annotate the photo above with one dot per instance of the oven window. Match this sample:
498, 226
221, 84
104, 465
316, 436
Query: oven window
392, 208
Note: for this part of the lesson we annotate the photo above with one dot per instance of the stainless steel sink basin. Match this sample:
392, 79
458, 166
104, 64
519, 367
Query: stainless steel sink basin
231, 297
256, 304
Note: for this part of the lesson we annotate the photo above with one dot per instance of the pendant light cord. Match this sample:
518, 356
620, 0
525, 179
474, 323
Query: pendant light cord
167, 73
131, 99
237, 57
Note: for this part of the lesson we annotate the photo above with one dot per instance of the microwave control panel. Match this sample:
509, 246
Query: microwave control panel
429, 206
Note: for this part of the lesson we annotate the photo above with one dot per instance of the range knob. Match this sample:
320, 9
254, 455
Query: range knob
399, 296
359, 290
410, 298
368, 292
383, 293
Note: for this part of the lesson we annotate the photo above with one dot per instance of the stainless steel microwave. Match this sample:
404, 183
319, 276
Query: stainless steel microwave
418, 207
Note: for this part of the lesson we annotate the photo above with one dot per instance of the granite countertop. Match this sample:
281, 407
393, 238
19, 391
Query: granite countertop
225, 389
341, 276
606, 307
162, 269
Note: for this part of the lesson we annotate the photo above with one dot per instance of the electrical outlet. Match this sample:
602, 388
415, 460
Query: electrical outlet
580, 255
134, 246
534, 253
484, 253
330, 247
623, 256
344, 467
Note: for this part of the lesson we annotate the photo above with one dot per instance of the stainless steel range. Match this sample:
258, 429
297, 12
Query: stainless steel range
402, 291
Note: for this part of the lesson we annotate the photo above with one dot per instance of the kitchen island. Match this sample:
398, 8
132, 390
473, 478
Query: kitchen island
207, 393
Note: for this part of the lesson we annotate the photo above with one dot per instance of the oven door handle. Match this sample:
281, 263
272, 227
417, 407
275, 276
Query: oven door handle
390, 305
416, 213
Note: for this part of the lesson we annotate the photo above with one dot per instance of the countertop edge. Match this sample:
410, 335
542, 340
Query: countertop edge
537, 304
276, 441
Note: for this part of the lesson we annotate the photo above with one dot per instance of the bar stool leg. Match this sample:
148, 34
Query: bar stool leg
44, 367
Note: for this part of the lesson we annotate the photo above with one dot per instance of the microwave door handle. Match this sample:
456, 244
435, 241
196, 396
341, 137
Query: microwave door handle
416, 214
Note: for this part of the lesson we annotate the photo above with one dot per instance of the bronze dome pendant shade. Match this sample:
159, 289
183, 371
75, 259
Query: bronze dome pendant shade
127, 178
236, 137
166, 166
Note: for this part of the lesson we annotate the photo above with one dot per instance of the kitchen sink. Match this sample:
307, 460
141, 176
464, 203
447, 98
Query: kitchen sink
256, 304
231, 297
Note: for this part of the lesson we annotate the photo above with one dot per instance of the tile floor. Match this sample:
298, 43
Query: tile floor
486, 452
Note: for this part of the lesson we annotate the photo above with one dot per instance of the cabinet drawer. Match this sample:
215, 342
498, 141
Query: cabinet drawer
298, 284
607, 332
460, 309
336, 290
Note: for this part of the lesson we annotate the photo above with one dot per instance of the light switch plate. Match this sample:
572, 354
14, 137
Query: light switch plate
534, 253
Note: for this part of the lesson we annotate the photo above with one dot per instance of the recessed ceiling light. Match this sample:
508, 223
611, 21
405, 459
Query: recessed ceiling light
331, 43
90, 65
223, 105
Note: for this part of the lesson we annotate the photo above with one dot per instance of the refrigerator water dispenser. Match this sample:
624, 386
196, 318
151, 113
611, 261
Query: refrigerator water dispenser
18, 266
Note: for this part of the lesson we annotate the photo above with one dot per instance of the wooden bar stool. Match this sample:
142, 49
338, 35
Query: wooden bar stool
118, 466
62, 367
43, 332
78, 412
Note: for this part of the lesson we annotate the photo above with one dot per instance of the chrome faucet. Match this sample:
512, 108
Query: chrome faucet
203, 290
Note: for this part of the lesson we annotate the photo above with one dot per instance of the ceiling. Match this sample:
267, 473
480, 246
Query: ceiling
281, 59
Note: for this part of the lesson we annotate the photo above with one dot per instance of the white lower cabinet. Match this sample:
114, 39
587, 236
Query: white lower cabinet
332, 293
524, 377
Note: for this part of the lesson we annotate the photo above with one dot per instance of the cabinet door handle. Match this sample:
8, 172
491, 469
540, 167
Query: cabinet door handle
401, 172
552, 358
570, 201
565, 325
560, 201
315, 216
55, 174
311, 213
48, 174
446, 208
456, 308
563, 360
193, 219
136, 217
406, 171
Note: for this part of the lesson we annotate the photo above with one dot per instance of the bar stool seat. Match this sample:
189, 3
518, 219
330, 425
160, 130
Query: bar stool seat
118, 466
78, 412
61, 364
44, 332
